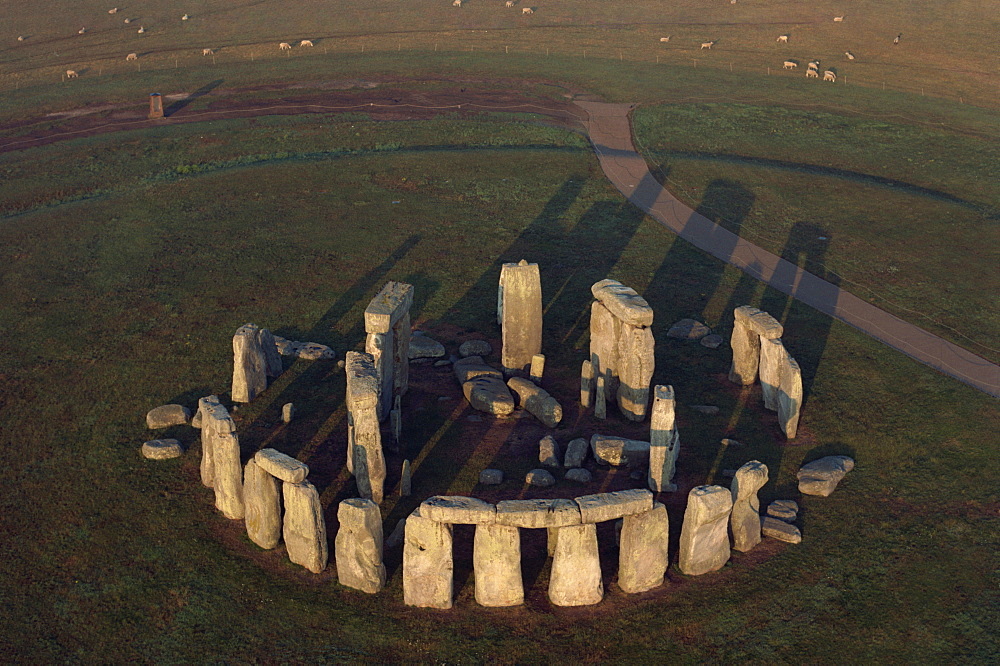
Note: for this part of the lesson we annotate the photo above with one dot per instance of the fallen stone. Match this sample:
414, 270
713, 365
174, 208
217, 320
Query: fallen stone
745, 517
791, 505
496, 561
707, 410
538, 513
519, 313
578, 474
730, 442
474, 348
704, 544
688, 329
287, 412
576, 452
612, 506
664, 440
780, 530
536, 401
712, 341
304, 528
249, 365
428, 564
782, 511
820, 477
458, 510
488, 393
548, 451
162, 449
262, 500
491, 477
642, 556
540, 478
623, 302
576, 567
442, 363
618, 451
423, 347
314, 351
282, 466
358, 546
165, 416
472, 367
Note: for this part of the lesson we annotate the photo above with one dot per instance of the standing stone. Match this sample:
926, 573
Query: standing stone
262, 498
222, 469
537, 368
789, 397
820, 477
305, 528
401, 333
745, 517
519, 313
548, 451
576, 567
664, 440
642, 558
287, 412
363, 425
358, 546
636, 361
537, 401
379, 347
404, 480
586, 384
604, 332
772, 357
576, 452
749, 326
272, 359
496, 559
215, 418
704, 545
387, 322
428, 565
249, 364
396, 422
600, 397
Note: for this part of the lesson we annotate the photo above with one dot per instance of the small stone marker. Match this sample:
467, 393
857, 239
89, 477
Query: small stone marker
548, 451
404, 480
165, 416
576, 452
578, 474
496, 558
162, 449
540, 478
576, 567
537, 368
780, 530
820, 477
358, 546
600, 398
536, 401
475, 348
428, 564
745, 517
688, 329
519, 313
491, 477
704, 544
423, 347
282, 466
664, 440
586, 384
287, 412
304, 528
642, 558
262, 498
458, 510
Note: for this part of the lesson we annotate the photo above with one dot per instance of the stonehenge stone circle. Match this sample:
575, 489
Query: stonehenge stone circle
536, 401
749, 327
519, 313
428, 564
358, 546
249, 364
548, 452
165, 416
704, 544
262, 497
496, 561
820, 477
364, 436
664, 440
387, 323
161, 449
745, 517
282, 466
576, 567
642, 558
304, 529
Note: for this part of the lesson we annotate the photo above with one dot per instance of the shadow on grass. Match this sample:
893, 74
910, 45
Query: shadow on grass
200, 92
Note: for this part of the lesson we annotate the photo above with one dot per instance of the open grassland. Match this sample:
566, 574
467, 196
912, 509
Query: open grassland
122, 296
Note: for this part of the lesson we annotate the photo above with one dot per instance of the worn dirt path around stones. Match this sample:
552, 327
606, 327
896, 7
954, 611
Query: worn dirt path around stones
610, 132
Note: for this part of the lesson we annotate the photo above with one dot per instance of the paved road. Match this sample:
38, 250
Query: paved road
611, 133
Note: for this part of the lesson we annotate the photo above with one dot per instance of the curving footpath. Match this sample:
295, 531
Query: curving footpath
611, 134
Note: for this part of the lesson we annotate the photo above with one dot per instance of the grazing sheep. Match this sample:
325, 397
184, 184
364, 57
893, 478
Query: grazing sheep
850, 56
527, 10
782, 39
510, 3
732, 2
665, 39
141, 30
206, 52
456, 3
813, 65
829, 76
285, 46
812, 74
707, 45
305, 42
113, 11
185, 17
83, 30
20, 38
791, 64
71, 74
838, 19
132, 56
895, 42
127, 21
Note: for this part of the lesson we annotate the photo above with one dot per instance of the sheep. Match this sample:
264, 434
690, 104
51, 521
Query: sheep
20, 38
510, 3
665, 39
306, 42
132, 56
707, 45
782, 39
456, 3
895, 42
127, 21
812, 74
791, 64
185, 17
829, 76
850, 56
285, 46
206, 52
838, 19
527, 10
84, 30
113, 11
732, 2
813, 64
141, 29
71, 74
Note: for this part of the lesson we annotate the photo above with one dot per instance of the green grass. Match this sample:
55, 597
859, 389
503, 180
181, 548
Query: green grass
126, 297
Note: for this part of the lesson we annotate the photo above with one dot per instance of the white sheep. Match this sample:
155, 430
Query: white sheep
285, 46
829, 76
791, 64
127, 21
812, 74
850, 56
141, 29
132, 56
306, 42
510, 3
71, 74
782, 39
813, 65
185, 17
665, 39
895, 42
456, 3
81, 31
838, 19
206, 52
707, 45
113, 11
20, 38
527, 10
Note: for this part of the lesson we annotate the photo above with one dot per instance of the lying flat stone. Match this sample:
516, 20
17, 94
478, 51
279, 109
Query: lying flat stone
165, 416
791, 505
548, 451
314, 351
821, 477
474, 366
458, 510
423, 347
618, 451
612, 506
623, 302
162, 449
537, 513
712, 341
578, 475
782, 511
282, 466
475, 348
488, 393
536, 401
491, 477
688, 329
442, 363
540, 478
780, 530
576, 452
388, 306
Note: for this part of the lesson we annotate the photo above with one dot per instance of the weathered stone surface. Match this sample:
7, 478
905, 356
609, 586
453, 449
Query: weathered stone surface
576, 452
789, 396
404, 480
785, 510
538, 513
363, 427
540, 478
636, 362
820, 477
578, 475
228, 474
617, 451
287, 412
712, 341
314, 351
780, 530
548, 451
745, 517
196, 419
604, 332
165, 416
249, 364
390, 304
162, 449
400, 358
472, 367
576, 567
282, 466
489, 394
428, 564
664, 440
704, 544
772, 357
586, 384
358, 546
623, 302
491, 477
422, 346
600, 397
642, 557
537, 401
758, 321
707, 410
537, 368
304, 528
688, 329
272, 359
496, 560
519, 312
362, 381
479, 348
458, 510
262, 499
395, 538
612, 506
379, 346
214, 419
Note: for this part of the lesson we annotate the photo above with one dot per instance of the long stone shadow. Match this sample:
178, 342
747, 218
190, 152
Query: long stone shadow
200, 92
